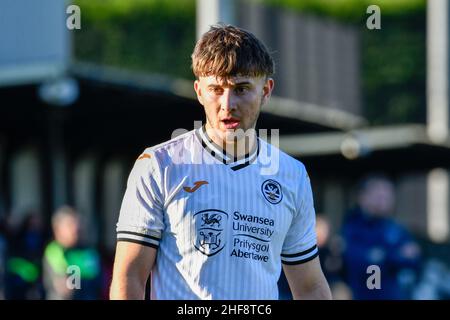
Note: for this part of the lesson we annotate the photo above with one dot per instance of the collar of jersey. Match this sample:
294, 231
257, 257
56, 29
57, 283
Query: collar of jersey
217, 152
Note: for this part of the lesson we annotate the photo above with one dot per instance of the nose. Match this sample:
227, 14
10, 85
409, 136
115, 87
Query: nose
227, 100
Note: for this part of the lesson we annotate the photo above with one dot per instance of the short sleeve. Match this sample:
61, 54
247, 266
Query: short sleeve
300, 244
141, 213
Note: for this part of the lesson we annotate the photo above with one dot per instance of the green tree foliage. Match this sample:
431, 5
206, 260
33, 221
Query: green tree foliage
158, 36
393, 70
393, 58
146, 35
349, 10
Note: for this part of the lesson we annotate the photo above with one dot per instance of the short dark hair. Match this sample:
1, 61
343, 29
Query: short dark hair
226, 50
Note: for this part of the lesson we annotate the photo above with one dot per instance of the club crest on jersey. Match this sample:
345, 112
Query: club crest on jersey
271, 190
210, 227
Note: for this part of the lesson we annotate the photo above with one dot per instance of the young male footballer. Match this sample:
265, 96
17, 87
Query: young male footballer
202, 213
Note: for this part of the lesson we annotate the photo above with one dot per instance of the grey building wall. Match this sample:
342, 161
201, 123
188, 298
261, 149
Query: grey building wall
34, 40
317, 60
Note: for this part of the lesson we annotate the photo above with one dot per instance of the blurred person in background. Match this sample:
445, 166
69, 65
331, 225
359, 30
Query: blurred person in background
372, 237
23, 267
72, 271
331, 258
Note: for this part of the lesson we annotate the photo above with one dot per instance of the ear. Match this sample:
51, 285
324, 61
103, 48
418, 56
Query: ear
267, 90
198, 91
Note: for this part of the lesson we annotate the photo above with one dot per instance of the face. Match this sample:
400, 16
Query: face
232, 104
378, 199
67, 231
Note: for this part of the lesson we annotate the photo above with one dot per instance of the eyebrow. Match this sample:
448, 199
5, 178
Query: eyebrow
243, 83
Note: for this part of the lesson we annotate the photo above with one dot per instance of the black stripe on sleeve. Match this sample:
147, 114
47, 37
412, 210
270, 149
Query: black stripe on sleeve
139, 242
300, 261
139, 235
300, 253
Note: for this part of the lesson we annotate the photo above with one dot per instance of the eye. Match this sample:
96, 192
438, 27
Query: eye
240, 90
216, 90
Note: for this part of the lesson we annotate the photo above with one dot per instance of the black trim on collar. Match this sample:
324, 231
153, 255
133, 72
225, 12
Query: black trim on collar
217, 152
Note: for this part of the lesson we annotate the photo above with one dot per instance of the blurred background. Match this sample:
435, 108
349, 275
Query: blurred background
361, 98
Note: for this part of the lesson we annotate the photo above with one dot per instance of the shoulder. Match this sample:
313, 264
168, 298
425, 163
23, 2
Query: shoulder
164, 154
173, 143
286, 164
54, 254
53, 246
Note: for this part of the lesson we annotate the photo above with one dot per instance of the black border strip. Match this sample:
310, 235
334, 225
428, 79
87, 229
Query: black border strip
210, 151
222, 154
139, 235
139, 242
300, 253
248, 158
300, 261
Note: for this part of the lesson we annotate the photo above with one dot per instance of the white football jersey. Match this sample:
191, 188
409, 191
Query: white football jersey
222, 226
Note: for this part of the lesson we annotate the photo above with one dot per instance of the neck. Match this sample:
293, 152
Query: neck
238, 146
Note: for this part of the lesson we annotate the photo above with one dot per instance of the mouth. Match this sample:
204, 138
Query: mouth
231, 123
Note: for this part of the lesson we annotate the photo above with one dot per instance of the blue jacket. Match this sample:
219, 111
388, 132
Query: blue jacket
381, 242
